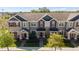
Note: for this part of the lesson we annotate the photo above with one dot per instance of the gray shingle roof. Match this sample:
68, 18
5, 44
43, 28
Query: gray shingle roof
37, 16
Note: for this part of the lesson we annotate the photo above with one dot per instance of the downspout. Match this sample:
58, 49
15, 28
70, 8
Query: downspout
65, 29
73, 24
29, 26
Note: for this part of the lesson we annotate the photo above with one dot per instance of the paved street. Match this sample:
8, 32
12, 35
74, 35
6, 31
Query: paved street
38, 49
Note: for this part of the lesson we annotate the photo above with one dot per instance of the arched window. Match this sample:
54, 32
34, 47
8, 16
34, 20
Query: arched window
41, 23
78, 36
53, 23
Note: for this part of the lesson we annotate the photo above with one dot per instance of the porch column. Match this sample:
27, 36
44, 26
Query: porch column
27, 37
20, 37
69, 36
76, 36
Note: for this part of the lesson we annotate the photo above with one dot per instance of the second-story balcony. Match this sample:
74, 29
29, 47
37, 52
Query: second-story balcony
41, 29
14, 24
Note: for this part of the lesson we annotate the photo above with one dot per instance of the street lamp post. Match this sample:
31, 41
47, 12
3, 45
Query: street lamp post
2, 13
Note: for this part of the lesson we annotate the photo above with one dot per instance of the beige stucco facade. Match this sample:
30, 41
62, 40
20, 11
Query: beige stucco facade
29, 22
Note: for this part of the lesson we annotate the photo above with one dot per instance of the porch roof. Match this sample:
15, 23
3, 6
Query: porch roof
54, 29
25, 29
40, 29
69, 29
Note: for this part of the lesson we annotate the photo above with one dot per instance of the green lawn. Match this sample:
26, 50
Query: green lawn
32, 43
68, 43
18, 43
35, 43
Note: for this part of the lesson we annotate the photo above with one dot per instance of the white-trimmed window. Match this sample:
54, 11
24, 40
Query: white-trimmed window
71, 24
25, 24
33, 24
77, 24
61, 24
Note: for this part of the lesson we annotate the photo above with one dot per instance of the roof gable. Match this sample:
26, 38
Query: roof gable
75, 18
13, 19
72, 30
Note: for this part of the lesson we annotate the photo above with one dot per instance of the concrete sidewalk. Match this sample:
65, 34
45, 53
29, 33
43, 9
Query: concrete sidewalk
38, 49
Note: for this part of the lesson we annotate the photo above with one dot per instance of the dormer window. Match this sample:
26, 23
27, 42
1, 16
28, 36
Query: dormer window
47, 18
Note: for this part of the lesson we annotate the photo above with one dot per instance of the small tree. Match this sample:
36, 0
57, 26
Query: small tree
55, 40
41, 10
6, 38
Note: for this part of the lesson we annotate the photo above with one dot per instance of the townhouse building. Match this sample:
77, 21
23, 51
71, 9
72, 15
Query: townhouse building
66, 24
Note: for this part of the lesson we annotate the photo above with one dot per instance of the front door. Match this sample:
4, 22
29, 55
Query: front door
77, 37
24, 35
72, 36
41, 34
15, 35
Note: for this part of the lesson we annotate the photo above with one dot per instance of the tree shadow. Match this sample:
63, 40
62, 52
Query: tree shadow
29, 48
68, 43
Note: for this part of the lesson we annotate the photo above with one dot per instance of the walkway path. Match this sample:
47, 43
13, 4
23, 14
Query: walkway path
74, 43
23, 42
41, 43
